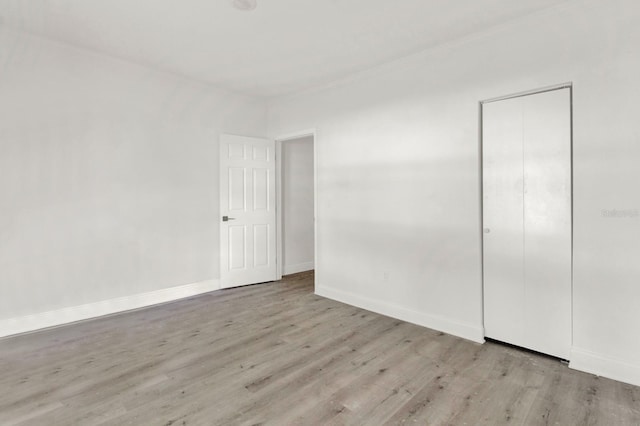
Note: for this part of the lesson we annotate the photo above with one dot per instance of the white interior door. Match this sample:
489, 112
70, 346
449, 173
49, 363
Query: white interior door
247, 211
527, 221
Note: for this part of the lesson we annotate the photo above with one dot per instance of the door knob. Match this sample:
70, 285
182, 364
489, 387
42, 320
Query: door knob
227, 218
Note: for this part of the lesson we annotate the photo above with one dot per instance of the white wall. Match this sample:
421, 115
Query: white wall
108, 178
297, 201
398, 216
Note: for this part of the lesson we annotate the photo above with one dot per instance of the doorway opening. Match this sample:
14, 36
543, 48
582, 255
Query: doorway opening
296, 203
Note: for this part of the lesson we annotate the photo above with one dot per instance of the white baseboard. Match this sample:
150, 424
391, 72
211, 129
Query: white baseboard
599, 365
467, 331
298, 267
71, 314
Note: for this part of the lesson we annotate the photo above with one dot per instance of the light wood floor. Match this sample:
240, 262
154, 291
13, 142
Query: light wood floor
277, 354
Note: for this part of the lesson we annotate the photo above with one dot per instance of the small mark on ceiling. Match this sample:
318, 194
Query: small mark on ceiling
245, 5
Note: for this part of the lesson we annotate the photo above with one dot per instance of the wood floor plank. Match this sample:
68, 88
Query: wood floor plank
277, 354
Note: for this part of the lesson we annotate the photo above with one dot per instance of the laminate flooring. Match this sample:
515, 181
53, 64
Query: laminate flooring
277, 354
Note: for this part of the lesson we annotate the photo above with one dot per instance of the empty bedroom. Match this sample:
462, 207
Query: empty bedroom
340, 212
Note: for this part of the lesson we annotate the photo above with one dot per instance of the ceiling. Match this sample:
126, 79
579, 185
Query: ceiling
282, 46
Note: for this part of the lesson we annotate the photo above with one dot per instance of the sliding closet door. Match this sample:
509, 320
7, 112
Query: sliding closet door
527, 221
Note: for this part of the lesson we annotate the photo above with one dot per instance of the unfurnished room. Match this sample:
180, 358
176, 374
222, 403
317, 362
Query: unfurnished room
304, 212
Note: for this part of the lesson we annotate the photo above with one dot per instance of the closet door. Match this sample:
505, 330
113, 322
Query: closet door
527, 221
503, 206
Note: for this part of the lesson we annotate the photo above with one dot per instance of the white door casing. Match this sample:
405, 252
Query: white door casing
527, 221
247, 211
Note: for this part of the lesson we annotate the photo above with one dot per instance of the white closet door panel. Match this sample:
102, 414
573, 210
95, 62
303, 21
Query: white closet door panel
503, 220
547, 222
527, 211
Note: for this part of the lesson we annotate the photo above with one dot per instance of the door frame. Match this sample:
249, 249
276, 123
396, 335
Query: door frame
280, 202
567, 85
